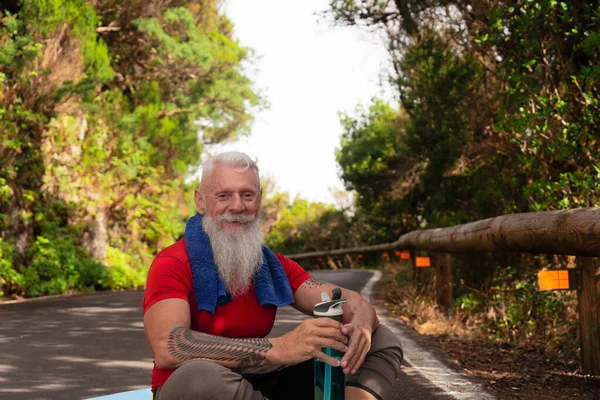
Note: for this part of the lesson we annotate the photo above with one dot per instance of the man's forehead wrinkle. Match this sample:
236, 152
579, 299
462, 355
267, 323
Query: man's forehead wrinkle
240, 188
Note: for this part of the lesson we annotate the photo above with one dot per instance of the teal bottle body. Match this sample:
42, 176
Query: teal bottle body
329, 381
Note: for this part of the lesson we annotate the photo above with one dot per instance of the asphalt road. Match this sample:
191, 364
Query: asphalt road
93, 345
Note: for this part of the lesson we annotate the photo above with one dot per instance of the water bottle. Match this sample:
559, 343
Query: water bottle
329, 381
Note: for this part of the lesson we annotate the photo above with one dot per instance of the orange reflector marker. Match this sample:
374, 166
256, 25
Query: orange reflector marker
553, 279
359, 256
423, 262
385, 255
405, 255
320, 259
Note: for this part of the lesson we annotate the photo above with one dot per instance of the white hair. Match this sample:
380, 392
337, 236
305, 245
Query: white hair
241, 161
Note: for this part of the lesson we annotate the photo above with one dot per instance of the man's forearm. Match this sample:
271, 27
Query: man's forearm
356, 307
185, 345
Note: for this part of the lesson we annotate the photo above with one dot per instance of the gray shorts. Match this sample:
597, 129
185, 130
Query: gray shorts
206, 380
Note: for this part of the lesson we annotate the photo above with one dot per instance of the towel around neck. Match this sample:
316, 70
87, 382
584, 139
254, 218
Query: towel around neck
271, 284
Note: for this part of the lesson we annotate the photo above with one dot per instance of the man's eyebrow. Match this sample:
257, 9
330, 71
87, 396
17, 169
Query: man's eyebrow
240, 189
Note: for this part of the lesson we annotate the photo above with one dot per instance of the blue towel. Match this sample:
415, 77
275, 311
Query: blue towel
271, 284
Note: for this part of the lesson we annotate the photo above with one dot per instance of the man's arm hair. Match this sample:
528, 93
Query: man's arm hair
185, 344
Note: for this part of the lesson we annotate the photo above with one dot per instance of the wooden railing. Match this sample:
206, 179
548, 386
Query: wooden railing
570, 232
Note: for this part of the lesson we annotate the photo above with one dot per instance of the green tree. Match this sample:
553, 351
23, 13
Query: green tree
373, 149
101, 109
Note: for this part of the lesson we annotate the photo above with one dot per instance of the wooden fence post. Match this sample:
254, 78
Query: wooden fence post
413, 265
417, 272
443, 281
350, 262
588, 292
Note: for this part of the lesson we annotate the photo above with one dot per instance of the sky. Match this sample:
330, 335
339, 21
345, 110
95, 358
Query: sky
308, 71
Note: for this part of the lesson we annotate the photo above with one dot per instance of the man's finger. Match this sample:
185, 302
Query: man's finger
360, 357
333, 333
365, 350
323, 322
353, 348
359, 352
347, 357
334, 362
347, 329
334, 344
363, 357
356, 352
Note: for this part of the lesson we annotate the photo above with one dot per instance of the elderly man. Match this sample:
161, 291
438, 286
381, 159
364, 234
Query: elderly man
211, 299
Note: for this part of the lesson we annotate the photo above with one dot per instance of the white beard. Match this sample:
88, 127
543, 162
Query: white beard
237, 254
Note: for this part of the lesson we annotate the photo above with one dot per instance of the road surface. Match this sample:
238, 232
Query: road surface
87, 346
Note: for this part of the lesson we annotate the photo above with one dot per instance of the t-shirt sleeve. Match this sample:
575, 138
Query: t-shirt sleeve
168, 278
294, 271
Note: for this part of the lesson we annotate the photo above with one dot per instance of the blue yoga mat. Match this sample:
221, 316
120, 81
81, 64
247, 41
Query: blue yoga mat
142, 394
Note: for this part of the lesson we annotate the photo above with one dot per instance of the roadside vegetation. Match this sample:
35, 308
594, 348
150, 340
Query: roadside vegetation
521, 341
100, 107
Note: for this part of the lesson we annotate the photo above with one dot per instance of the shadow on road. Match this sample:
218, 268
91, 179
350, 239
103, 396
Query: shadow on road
73, 348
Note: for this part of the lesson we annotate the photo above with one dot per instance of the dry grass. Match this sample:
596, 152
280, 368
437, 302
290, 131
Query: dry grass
417, 309
541, 364
421, 313
489, 322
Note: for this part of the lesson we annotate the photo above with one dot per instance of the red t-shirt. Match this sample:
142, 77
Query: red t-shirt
170, 277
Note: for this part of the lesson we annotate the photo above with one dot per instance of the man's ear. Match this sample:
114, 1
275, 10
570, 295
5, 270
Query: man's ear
198, 201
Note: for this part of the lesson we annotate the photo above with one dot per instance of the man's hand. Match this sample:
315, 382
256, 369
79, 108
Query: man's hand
361, 322
359, 344
307, 339
360, 319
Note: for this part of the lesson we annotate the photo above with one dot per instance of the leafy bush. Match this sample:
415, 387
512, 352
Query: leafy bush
514, 311
8, 275
120, 274
58, 265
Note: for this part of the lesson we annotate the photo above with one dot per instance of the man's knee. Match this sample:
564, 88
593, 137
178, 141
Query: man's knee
387, 346
381, 367
198, 377
205, 379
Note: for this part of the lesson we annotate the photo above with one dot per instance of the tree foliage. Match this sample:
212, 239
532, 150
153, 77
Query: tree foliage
306, 226
498, 111
297, 225
101, 108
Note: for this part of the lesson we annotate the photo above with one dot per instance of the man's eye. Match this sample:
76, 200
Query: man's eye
249, 196
222, 196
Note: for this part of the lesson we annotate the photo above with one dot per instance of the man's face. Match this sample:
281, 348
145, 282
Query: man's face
228, 193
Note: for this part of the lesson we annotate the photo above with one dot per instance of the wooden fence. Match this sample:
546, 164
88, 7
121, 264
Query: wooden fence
570, 232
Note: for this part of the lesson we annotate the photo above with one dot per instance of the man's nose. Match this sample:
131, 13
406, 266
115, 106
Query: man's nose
236, 205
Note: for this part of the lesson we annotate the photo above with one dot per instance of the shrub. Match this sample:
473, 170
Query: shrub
120, 273
514, 311
9, 277
59, 264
